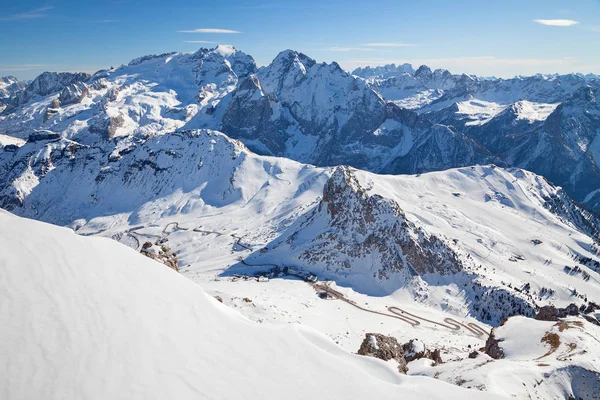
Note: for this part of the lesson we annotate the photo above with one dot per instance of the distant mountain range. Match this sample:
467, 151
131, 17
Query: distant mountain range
390, 119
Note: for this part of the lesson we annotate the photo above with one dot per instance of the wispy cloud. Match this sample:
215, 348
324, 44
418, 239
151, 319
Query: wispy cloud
199, 41
33, 14
345, 49
106, 21
389, 44
556, 22
209, 30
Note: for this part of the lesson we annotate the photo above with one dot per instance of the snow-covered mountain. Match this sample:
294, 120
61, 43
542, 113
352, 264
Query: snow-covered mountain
89, 318
448, 228
559, 141
150, 95
349, 230
383, 71
9, 88
432, 89
317, 113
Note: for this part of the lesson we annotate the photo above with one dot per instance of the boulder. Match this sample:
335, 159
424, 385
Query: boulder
416, 349
492, 347
161, 253
385, 348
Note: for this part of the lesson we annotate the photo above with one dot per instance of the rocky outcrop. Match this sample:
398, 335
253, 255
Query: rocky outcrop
10, 87
46, 84
551, 313
42, 135
492, 347
281, 111
364, 225
106, 126
414, 349
74, 93
385, 348
363, 240
161, 253
52, 109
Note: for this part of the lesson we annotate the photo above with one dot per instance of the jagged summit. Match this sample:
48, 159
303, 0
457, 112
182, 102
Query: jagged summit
317, 113
363, 240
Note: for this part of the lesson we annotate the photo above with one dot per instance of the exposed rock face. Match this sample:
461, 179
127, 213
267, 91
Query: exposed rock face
382, 72
161, 253
73, 93
258, 123
46, 84
551, 313
415, 350
43, 135
283, 111
366, 238
107, 126
492, 347
52, 109
383, 347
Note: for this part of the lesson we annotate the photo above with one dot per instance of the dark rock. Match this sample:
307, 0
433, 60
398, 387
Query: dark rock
591, 319
591, 307
492, 347
415, 350
383, 347
42, 135
473, 354
551, 313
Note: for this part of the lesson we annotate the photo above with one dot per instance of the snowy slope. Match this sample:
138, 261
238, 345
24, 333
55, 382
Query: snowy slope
150, 95
92, 319
483, 219
216, 203
543, 360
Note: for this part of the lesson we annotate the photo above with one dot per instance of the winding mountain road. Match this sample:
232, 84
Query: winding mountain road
411, 319
394, 312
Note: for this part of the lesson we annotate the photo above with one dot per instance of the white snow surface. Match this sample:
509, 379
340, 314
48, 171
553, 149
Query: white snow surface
87, 318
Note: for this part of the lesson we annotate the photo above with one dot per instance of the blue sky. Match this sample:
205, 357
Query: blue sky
500, 38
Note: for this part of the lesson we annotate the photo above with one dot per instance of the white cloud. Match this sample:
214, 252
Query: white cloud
389, 44
556, 22
37, 13
199, 41
209, 30
345, 49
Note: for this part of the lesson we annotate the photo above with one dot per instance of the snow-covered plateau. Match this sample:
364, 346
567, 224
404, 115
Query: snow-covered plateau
456, 241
